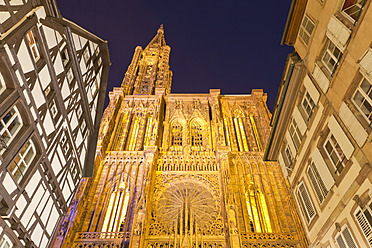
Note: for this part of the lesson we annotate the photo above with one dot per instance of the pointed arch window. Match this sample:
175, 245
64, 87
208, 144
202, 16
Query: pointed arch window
177, 131
117, 208
258, 212
196, 134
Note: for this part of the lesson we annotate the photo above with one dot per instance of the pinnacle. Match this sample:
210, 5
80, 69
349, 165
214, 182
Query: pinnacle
161, 29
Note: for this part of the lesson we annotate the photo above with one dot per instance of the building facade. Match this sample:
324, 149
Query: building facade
181, 170
321, 125
53, 77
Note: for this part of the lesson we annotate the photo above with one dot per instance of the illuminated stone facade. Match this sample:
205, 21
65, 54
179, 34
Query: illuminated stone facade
322, 121
181, 170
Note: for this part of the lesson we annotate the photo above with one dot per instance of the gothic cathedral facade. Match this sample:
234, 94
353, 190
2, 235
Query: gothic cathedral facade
181, 170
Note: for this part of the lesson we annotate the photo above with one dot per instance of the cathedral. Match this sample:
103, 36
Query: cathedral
181, 170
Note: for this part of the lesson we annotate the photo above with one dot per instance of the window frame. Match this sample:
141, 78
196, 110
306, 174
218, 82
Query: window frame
288, 159
303, 29
309, 217
341, 234
53, 109
64, 142
359, 4
308, 100
365, 98
65, 56
5, 126
295, 134
335, 149
368, 209
319, 187
331, 55
4, 239
32, 42
22, 158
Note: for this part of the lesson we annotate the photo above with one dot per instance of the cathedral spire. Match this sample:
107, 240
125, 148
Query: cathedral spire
149, 69
158, 40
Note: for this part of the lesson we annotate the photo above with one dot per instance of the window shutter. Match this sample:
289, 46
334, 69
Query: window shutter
313, 92
323, 170
338, 33
311, 171
366, 61
341, 137
299, 120
349, 238
283, 165
321, 79
305, 201
291, 145
340, 242
353, 125
365, 221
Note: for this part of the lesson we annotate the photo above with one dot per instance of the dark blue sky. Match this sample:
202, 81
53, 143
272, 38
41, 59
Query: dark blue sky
230, 45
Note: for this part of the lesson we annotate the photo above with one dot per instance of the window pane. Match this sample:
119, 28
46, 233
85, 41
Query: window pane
29, 156
14, 126
7, 117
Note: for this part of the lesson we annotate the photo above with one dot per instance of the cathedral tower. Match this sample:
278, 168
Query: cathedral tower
181, 170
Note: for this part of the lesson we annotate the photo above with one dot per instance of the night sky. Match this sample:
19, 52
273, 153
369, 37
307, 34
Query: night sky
230, 45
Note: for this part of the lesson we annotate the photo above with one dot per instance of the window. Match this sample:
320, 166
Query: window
335, 153
22, 161
65, 57
64, 143
317, 182
362, 99
288, 156
10, 124
306, 29
53, 109
352, 9
308, 105
83, 126
32, 43
86, 55
47, 90
5, 242
344, 238
196, 134
331, 56
295, 134
79, 112
177, 130
305, 202
70, 76
364, 219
